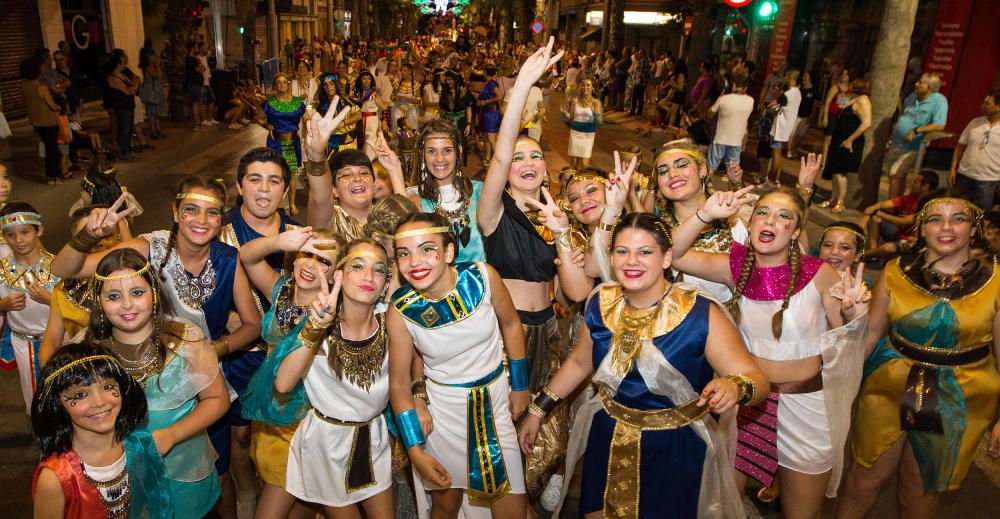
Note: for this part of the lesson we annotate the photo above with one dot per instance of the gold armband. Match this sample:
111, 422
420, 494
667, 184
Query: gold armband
312, 333
315, 168
564, 240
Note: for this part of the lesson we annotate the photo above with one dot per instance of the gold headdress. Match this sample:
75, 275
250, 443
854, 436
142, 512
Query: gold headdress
199, 196
864, 239
421, 232
975, 212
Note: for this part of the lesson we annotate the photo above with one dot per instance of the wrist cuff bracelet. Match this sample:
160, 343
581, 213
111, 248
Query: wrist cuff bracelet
518, 374
315, 168
545, 402
409, 429
83, 241
746, 386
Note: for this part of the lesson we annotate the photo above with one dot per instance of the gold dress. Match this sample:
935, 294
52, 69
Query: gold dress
933, 376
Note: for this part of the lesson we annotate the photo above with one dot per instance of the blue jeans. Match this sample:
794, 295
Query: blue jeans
980, 191
718, 152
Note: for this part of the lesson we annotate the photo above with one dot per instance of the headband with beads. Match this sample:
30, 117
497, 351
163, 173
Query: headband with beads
862, 237
975, 210
20, 218
121, 277
88, 360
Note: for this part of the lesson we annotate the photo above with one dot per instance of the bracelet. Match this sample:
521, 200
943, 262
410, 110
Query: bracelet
564, 240
221, 346
311, 334
697, 214
83, 241
746, 386
409, 429
418, 388
315, 168
518, 374
544, 403
804, 191
610, 227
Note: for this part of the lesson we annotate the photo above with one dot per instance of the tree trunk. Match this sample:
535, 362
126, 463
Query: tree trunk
616, 37
888, 68
246, 13
700, 40
606, 26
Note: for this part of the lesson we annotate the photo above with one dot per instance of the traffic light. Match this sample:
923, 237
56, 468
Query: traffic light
767, 9
240, 29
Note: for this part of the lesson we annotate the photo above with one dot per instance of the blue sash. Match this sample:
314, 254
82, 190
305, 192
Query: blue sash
487, 471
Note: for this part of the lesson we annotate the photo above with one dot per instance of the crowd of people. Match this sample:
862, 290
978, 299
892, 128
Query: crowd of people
425, 341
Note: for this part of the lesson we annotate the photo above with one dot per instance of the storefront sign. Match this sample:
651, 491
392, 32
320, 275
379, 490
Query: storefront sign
950, 30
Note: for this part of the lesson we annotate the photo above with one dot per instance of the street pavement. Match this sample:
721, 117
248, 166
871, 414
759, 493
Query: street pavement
215, 153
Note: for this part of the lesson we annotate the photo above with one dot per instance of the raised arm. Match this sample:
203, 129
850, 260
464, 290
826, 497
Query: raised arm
74, 260
490, 201
319, 211
321, 316
709, 266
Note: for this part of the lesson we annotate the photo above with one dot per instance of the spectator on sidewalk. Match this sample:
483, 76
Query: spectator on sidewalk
805, 113
889, 223
639, 77
701, 92
848, 142
151, 91
289, 52
121, 97
784, 123
65, 70
924, 111
43, 115
975, 166
837, 97
733, 111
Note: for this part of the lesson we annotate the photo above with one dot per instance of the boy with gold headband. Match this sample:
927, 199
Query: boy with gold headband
25, 288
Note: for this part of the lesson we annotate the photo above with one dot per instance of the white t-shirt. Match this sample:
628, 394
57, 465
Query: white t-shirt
784, 122
981, 160
734, 110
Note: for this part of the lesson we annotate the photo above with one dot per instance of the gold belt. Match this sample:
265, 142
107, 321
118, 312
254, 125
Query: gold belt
26, 336
657, 420
360, 471
335, 421
621, 491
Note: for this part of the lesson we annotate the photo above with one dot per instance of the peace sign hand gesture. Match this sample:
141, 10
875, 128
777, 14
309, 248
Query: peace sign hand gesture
324, 307
536, 64
102, 222
616, 190
856, 295
386, 156
320, 127
723, 204
549, 213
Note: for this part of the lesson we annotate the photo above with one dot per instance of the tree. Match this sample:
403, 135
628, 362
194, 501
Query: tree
888, 68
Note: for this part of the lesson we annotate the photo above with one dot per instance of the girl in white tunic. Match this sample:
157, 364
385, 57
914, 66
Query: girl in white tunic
458, 320
340, 454
804, 327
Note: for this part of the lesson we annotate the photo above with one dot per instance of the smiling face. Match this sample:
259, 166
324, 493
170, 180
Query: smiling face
678, 176
527, 167
637, 260
366, 273
330, 87
128, 303
281, 84
354, 186
947, 227
774, 224
440, 156
422, 259
839, 248
22, 239
302, 69
198, 221
308, 268
586, 199
586, 87
93, 407
262, 188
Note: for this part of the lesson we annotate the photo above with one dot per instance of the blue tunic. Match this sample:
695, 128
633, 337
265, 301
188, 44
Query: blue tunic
671, 460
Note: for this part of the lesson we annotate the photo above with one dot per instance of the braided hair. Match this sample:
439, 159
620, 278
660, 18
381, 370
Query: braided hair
794, 257
186, 184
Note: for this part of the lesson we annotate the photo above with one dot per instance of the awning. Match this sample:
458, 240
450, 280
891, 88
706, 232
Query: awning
592, 35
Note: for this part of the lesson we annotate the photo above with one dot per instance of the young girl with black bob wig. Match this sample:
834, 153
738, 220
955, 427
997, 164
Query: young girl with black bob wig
99, 462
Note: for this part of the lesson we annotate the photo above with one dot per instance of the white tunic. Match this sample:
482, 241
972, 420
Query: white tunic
320, 452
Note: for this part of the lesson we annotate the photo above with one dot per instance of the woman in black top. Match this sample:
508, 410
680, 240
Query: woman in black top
523, 250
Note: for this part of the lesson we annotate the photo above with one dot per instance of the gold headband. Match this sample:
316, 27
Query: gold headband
864, 238
52, 376
586, 176
361, 254
977, 212
199, 196
123, 277
21, 218
88, 182
420, 232
695, 154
